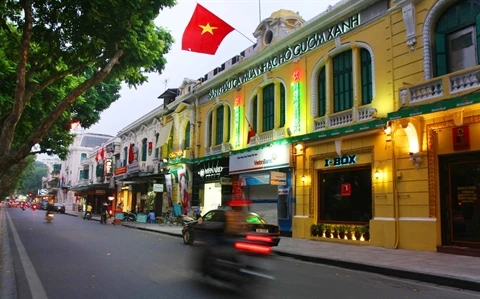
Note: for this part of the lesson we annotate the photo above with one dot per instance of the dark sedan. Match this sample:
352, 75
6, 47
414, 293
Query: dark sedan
213, 223
59, 207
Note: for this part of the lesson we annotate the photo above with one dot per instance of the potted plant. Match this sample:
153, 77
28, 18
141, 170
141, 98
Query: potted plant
366, 232
358, 230
349, 231
335, 231
328, 230
341, 231
320, 228
314, 230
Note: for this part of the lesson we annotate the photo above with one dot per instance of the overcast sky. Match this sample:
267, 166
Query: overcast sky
243, 15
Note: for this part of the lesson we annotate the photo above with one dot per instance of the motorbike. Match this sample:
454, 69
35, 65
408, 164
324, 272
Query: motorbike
34, 207
238, 263
49, 216
23, 207
88, 216
130, 217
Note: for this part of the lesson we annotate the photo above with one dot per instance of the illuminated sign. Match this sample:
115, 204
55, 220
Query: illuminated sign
236, 121
306, 45
341, 161
296, 101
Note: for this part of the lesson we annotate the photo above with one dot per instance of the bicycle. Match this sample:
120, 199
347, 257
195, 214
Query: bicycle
168, 218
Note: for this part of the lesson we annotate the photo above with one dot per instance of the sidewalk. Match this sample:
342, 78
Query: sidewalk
444, 269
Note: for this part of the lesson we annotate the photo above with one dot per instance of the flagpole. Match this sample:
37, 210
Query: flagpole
259, 12
245, 36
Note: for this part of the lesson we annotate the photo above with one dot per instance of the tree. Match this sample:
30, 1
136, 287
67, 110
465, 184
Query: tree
32, 180
63, 61
14, 177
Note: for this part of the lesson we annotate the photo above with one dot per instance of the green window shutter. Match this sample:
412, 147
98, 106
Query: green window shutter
187, 136
210, 124
255, 114
478, 37
268, 107
144, 150
322, 93
343, 81
125, 156
219, 125
157, 149
366, 69
283, 105
80, 175
85, 174
440, 55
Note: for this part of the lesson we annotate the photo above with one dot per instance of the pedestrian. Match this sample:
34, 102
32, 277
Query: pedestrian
151, 217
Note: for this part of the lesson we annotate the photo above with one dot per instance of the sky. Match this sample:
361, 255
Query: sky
243, 15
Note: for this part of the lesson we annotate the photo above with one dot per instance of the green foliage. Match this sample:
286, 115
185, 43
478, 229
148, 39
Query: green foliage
32, 180
18, 173
71, 43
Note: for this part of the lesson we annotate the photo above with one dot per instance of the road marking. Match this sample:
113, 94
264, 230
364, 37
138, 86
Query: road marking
36, 287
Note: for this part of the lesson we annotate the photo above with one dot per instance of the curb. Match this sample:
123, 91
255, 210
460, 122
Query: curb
8, 284
73, 215
154, 231
404, 274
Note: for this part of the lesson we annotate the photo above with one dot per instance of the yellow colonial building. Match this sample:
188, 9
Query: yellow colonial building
352, 127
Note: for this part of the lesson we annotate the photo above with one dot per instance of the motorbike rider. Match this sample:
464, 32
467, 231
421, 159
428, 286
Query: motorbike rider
104, 212
88, 210
49, 209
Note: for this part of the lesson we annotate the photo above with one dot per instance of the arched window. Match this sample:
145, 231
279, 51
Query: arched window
144, 149
219, 126
269, 107
342, 81
457, 38
187, 136
125, 155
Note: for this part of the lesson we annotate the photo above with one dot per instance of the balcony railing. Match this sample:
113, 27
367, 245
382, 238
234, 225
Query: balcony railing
269, 136
218, 149
450, 85
343, 118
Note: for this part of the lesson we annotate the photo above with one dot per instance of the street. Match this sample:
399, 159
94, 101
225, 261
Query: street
76, 258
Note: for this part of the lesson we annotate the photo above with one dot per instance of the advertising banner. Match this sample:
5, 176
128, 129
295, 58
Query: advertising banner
275, 156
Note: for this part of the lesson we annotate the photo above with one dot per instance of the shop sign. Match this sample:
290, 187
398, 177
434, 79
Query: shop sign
467, 194
341, 161
255, 179
375, 124
157, 187
283, 190
100, 192
278, 178
120, 170
271, 157
435, 107
133, 167
287, 54
346, 190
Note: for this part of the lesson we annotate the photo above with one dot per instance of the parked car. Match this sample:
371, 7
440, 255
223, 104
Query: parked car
59, 207
213, 223
43, 205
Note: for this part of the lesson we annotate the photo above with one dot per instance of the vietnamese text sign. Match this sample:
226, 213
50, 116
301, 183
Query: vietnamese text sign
278, 178
157, 187
271, 157
142, 218
119, 216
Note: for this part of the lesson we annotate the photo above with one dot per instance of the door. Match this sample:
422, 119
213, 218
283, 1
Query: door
459, 192
211, 225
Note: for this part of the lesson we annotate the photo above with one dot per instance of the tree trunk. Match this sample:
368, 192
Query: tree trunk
8, 178
14, 156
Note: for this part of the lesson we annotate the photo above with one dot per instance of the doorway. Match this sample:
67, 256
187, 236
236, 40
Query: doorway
459, 192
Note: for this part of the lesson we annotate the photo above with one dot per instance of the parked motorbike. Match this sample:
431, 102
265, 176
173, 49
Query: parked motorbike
88, 216
239, 263
49, 216
130, 217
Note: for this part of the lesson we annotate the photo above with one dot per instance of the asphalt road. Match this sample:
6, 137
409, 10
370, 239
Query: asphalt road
75, 258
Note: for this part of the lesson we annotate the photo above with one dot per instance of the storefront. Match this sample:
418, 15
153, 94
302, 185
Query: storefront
265, 176
212, 187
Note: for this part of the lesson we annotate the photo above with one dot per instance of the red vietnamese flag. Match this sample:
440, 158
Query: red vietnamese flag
205, 32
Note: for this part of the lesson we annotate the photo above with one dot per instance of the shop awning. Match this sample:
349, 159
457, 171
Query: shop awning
443, 105
78, 188
164, 134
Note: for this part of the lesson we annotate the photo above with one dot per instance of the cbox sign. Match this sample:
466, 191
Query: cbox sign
275, 156
341, 161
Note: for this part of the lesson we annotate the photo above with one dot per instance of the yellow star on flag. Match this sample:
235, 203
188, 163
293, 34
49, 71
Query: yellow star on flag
207, 28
